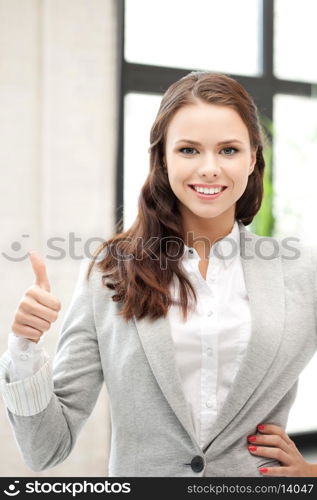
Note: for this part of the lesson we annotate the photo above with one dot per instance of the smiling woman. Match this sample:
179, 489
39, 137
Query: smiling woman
188, 381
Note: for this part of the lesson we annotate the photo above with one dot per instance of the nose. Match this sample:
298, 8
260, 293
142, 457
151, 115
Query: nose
210, 166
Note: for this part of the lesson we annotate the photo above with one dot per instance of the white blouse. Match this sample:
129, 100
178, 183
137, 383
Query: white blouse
208, 346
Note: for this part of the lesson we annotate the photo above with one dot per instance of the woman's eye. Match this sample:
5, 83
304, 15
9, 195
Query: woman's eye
183, 150
189, 151
232, 149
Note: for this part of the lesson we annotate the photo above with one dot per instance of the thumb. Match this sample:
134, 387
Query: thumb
39, 269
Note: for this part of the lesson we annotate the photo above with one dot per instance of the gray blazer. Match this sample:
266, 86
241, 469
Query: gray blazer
152, 431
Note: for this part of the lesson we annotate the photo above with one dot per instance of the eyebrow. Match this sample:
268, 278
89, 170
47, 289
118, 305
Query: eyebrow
199, 144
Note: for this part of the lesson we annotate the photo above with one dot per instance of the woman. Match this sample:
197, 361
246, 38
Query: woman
198, 327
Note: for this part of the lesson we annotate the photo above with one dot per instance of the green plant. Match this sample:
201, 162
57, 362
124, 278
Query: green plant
263, 222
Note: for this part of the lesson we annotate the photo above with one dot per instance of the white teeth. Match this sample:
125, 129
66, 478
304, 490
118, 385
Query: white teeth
207, 190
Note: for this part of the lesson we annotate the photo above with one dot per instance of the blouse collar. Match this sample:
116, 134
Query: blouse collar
225, 249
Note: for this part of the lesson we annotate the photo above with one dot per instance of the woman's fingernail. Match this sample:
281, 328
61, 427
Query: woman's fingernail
252, 448
260, 427
252, 438
263, 469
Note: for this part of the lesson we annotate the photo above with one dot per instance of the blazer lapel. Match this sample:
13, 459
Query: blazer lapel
265, 288
158, 346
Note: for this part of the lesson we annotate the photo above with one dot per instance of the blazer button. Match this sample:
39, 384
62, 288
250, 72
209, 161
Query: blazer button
197, 464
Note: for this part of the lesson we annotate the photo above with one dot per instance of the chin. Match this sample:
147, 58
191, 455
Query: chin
207, 213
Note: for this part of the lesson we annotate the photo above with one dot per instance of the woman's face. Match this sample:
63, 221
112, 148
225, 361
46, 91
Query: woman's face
194, 155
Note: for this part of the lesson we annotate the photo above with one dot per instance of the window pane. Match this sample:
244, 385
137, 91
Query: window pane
295, 40
295, 172
140, 112
200, 34
302, 417
295, 208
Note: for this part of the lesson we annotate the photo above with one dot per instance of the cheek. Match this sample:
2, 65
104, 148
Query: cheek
177, 175
241, 179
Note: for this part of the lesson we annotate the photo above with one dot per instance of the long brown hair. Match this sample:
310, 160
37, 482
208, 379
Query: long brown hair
140, 282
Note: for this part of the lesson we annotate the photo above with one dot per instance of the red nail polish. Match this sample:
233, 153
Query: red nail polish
263, 469
252, 448
260, 427
252, 438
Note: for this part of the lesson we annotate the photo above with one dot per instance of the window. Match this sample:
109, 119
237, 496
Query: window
295, 173
295, 40
200, 34
139, 112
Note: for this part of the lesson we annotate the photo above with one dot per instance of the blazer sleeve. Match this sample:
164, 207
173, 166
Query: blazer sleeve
48, 409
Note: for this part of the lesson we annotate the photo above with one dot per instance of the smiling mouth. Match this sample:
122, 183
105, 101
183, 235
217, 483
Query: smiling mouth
201, 192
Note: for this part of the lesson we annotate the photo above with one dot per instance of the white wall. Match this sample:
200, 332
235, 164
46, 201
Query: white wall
58, 64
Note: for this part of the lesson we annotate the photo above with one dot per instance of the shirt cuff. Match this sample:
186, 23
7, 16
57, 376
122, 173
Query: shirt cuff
29, 396
22, 344
27, 357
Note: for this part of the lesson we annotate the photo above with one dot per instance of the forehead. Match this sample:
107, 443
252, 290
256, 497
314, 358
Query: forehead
204, 120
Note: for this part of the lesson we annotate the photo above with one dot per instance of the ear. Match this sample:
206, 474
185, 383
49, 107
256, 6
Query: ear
253, 161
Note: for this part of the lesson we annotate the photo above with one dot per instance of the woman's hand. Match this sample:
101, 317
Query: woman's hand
38, 307
273, 442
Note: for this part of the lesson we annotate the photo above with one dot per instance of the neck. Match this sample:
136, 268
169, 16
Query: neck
205, 233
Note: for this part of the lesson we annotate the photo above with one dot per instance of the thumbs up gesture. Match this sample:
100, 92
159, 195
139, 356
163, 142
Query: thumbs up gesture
38, 308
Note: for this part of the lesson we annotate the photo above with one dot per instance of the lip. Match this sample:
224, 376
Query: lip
207, 185
203, 196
